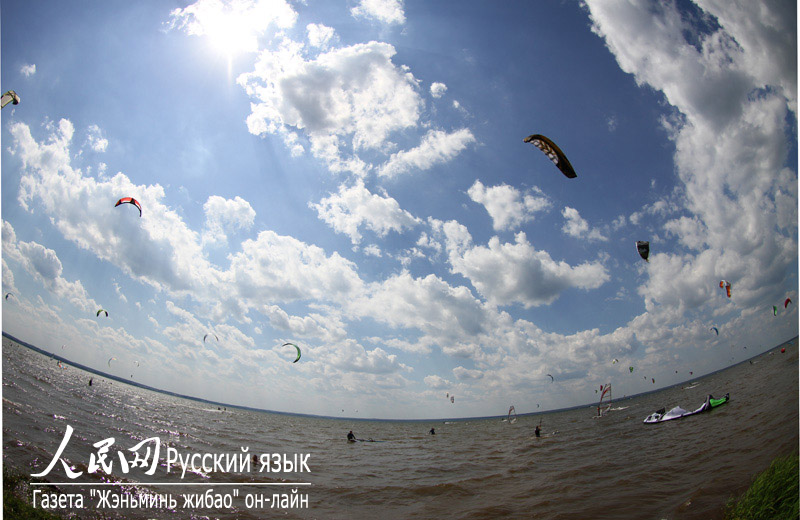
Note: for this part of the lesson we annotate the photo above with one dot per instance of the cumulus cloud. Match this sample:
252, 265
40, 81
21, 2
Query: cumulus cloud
732, 81
327, 328
44, 265
508, 207
576, 226
320, 35
506, 273
224, 216
346, 100
465, 374
445, 314
352, 357
167, 253
28, 70
438, 89
95, 139
436, 147
385, 11
354, 206
436, 382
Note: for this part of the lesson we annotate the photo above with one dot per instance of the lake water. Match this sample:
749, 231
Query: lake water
614, 467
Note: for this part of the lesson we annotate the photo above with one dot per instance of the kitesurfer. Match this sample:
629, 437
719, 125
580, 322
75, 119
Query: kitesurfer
432, 432
90, 381
537, 431
351, 437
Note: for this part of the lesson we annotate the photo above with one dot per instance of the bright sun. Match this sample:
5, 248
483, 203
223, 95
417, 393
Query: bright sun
231, 34
231, 29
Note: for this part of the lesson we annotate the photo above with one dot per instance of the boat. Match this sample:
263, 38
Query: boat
678, 412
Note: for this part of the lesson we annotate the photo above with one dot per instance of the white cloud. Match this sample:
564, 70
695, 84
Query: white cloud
576, 226
518, 273
438, 89
320, 35
95, 139
160, 249
373, 250
436, 147
315, 325
43, 264
507, 206
612, 123
226, 215
733, 86
463, 374
347, 100
355, 206
233, 25
445, 315
280, 268
385, 11
437, 382
28, 70
352, 357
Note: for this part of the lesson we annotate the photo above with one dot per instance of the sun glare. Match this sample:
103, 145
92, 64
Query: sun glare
231, 34
231, 29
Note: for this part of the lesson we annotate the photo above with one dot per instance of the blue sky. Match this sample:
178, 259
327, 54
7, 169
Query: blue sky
351, 177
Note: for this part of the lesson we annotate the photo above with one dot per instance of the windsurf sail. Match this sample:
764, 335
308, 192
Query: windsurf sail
605, 401
512, 415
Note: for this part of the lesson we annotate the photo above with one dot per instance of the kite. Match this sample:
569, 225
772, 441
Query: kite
553, 153
727, 286
631, 369
8, 294
775, 310
715, 330
9, 97
102, 310
551, 378
615, 361
130, 200
210, 334
110, 360
298, 351
452, 399
787, 302
644, 249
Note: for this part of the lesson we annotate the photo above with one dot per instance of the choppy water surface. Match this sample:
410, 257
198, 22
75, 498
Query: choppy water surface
614, 467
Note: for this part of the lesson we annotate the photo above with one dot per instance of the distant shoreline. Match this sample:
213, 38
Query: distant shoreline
315, 416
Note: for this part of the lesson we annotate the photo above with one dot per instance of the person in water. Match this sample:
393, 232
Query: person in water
432, 432
350, 436
537, 431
